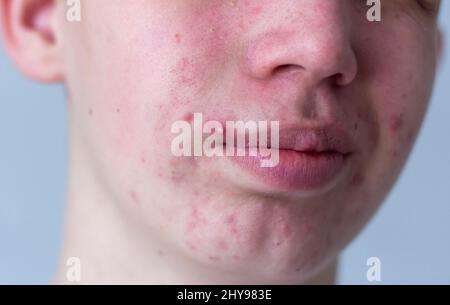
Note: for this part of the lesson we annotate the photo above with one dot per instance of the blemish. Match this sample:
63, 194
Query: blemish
118, 110
91, 112
188, 117
222, 246
396, 123
214, 258
134, 197
231, 221
178, 38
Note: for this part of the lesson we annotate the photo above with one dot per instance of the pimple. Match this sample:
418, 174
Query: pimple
134, 197
91, 112
222, 245
188, 117
231, 222
196, 219
178, 38
286, 231
396, 123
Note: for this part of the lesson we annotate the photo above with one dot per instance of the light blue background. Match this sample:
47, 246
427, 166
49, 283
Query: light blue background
410, 234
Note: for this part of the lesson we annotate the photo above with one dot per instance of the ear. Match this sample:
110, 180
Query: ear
29, 29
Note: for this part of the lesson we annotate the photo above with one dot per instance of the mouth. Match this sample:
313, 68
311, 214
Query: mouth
310, 159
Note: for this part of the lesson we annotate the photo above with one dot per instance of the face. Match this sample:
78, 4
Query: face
349, 95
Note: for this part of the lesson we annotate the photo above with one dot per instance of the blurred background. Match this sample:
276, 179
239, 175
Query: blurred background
410, 234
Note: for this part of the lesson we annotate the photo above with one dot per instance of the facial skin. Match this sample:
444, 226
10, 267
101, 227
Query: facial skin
136, 213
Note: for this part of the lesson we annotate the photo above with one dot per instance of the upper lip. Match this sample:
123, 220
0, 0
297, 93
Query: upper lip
330, 138
321, 139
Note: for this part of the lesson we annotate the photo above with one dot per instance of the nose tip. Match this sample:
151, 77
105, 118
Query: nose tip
319, 56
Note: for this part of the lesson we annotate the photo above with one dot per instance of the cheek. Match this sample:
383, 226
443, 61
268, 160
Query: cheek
402, 81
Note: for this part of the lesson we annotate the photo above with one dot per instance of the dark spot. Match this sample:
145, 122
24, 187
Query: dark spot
91, 112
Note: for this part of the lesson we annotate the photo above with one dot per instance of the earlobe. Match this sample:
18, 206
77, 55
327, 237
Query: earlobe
30, 37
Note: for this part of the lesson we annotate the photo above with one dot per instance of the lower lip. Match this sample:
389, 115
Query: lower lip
297, 171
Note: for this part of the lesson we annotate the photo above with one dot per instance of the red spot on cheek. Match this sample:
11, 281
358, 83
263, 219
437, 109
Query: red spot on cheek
222, 246
188, 117
134, 197
231, 222
195, 220
178, 38
396, 123
286, 231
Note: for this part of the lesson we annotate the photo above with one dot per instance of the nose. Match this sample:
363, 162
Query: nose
316, 44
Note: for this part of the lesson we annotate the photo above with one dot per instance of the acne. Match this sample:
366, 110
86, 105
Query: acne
188, 117
222, 245
178, 38
396, 123
196, 220
134, 197
231, 223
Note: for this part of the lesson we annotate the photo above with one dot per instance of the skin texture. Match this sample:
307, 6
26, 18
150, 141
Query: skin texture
136, 213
